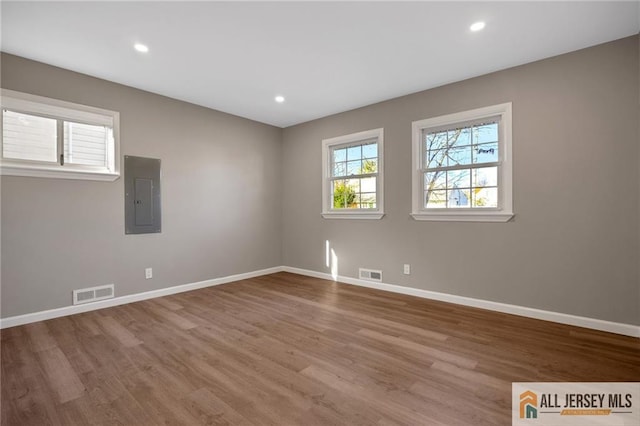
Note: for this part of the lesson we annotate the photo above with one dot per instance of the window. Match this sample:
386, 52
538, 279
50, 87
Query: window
352, 176
462, 166
44, 137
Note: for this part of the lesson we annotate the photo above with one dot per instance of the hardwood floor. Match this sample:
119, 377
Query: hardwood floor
285, 350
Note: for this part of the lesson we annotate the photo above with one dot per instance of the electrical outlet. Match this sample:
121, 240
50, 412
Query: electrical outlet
407, 269
148, 273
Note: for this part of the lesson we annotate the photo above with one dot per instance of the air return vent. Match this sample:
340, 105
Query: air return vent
92, 294
370, 275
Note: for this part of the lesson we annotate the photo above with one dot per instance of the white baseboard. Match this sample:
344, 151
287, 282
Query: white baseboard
76, 309
592, 323
523, 311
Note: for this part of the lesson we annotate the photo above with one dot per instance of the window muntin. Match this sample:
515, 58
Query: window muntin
352, 176
45, 137
463, 166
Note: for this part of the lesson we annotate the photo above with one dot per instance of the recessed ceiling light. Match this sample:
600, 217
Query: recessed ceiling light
279, 99
477, 26
141, 47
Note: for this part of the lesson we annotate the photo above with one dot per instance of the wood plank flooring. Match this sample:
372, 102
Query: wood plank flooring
286, 350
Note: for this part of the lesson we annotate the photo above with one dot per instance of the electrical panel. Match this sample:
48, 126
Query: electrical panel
142, 213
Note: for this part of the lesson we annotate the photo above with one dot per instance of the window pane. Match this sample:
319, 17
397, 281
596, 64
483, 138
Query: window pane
485, 197
340, 169
86, 144
485, 176
368, 184
435, 180
368, 200
436, 158
29, 137
370, 166
459, 178
356, 201
343, 196
436, 140
435, 199
339, 155
458, 198
486, 153
485, 133
354, 167
370, 150
354, 153
460, 137
459, 156
353, 184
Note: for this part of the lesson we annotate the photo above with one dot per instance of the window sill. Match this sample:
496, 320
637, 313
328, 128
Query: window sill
352, 215
55, 173
463, 216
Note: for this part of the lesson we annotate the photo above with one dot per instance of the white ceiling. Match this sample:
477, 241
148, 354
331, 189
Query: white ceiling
323, 57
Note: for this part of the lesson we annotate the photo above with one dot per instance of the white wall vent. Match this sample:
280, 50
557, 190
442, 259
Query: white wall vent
92, 294
370, 275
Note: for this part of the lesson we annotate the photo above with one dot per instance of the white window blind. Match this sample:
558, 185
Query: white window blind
29, 137
45, 137
86, 144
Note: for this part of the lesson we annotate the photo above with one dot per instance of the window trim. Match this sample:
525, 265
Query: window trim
61, 110
504, 212
354, 139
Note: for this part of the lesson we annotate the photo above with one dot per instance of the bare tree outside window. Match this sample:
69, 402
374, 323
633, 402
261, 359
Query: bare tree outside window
460, 167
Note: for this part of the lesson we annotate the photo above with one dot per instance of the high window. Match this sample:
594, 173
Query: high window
44, 137
462, 166
352, 176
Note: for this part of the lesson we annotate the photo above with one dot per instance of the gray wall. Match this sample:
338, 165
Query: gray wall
221, 199
240, 196
573, 246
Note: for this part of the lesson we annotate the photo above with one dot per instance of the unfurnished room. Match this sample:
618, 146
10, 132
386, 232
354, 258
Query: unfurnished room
320, 213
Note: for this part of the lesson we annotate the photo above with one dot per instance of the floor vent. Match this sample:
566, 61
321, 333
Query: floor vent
370, 275
92, 294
